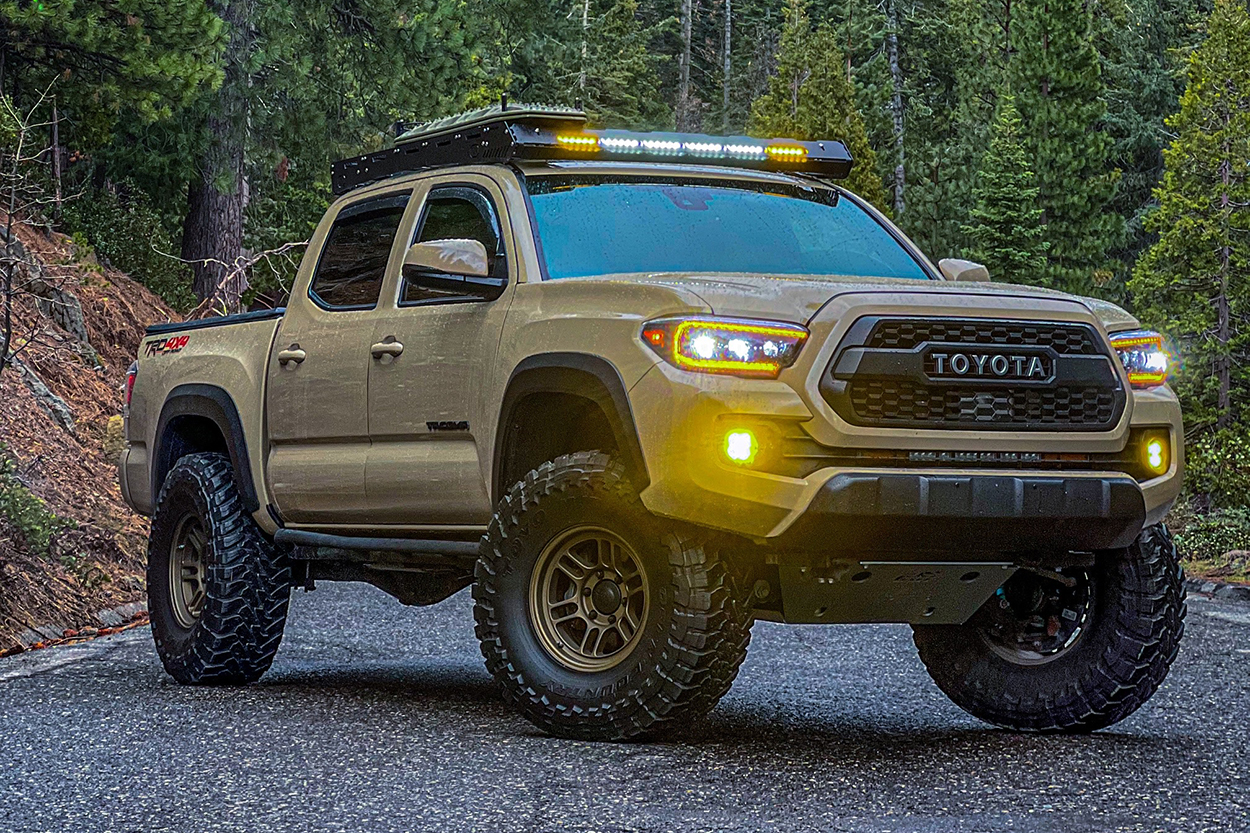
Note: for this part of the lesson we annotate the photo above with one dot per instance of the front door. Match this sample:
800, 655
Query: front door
317, 400
427, 464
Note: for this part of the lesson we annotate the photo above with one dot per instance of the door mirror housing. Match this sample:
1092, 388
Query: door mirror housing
955, 269
449, 257
450, 270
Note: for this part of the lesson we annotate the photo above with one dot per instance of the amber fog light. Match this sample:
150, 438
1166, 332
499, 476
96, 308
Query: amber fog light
1156, 452
740, 446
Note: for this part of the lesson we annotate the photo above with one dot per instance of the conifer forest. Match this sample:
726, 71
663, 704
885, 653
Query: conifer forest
1099, 147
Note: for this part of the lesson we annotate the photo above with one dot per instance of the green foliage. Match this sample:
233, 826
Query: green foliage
1055, 73
1209, 538
147, 57
598, 52
1194, 283
1217, 469
28, 514
621, 85
282, 210
1007, 233
1143, 44
121, 225
809, 98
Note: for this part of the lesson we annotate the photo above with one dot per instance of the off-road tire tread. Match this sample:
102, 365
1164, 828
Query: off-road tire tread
706, 643
247, 587
1148, 626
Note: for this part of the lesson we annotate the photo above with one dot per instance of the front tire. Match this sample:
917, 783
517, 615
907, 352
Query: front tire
598, 621
1080, 658
217, 589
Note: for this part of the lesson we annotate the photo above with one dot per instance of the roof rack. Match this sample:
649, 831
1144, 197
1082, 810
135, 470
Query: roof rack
504, 132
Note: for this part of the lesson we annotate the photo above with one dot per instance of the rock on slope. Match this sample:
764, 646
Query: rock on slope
96, 564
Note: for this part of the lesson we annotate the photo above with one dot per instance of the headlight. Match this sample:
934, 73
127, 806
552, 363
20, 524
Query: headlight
1144, 357
726, 345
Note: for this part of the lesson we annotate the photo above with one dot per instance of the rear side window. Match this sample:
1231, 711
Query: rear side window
353, 261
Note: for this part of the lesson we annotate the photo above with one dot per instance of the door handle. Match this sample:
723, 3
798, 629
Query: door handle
386, 348
291, 354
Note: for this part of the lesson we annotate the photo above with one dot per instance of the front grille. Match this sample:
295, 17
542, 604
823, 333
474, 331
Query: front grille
887, 400
1065, 339
896, 372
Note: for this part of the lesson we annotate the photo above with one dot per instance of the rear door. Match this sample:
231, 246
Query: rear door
428, 460
317, 400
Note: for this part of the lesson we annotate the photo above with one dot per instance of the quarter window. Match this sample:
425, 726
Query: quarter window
353, 261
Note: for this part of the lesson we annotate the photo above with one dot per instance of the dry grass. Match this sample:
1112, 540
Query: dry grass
99, 564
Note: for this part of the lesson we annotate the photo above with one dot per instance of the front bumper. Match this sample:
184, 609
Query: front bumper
892, 510
679, 415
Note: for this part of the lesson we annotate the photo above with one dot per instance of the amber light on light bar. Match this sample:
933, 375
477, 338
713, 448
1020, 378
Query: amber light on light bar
742, 347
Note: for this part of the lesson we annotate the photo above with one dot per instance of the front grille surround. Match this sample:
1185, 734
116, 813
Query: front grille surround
882, 375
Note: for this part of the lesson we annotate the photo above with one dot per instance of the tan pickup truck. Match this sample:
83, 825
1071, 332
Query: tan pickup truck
639, 390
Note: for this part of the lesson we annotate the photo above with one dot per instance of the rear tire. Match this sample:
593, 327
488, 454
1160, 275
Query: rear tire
571, 547
1133, 626
217, 589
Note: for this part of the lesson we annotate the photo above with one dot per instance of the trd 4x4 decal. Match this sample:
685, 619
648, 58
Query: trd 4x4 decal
163, 346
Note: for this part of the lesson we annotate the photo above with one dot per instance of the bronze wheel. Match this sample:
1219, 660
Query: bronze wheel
1042, 656
1034, 620
599, 620
186, 571
217, 589
588, 599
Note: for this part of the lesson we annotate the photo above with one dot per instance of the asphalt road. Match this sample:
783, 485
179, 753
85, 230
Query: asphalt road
376, 717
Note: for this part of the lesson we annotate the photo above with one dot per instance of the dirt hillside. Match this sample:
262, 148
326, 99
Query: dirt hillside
94, 558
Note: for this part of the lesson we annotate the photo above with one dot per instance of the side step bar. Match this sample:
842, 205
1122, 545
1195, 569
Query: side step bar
310, 544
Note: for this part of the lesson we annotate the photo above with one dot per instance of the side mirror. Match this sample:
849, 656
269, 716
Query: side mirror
449, 257
963, 270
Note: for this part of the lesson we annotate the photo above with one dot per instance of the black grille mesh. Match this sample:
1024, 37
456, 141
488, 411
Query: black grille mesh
900, 402
1064, 339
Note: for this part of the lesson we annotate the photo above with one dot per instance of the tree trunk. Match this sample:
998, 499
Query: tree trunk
725, 75
212, 238
56, 163
685, 118
1223, 364
896, 108
581, 76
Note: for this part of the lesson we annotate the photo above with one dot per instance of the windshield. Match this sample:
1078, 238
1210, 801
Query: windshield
596, 225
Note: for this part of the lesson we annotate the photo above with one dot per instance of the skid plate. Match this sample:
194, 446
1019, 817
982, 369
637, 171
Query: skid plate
913, 592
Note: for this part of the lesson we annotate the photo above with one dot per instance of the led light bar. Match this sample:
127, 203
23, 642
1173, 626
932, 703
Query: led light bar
504, 133
827, 158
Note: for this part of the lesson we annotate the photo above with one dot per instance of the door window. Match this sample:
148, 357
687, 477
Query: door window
353, 261
456, 213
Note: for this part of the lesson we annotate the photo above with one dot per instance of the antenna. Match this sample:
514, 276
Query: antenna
503, 101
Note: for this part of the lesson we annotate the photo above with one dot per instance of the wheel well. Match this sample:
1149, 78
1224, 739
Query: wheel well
184, 435
202, 418
544, 426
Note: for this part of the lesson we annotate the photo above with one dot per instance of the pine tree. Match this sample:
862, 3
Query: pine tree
150, 56
622, 84
810, 98
1142, 42
1006, 232
1194, 283
1055, 74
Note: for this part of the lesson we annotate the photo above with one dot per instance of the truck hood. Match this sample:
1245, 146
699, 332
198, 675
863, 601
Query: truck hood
798, 298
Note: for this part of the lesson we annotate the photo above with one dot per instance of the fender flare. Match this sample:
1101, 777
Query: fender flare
580, 374
215, 405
